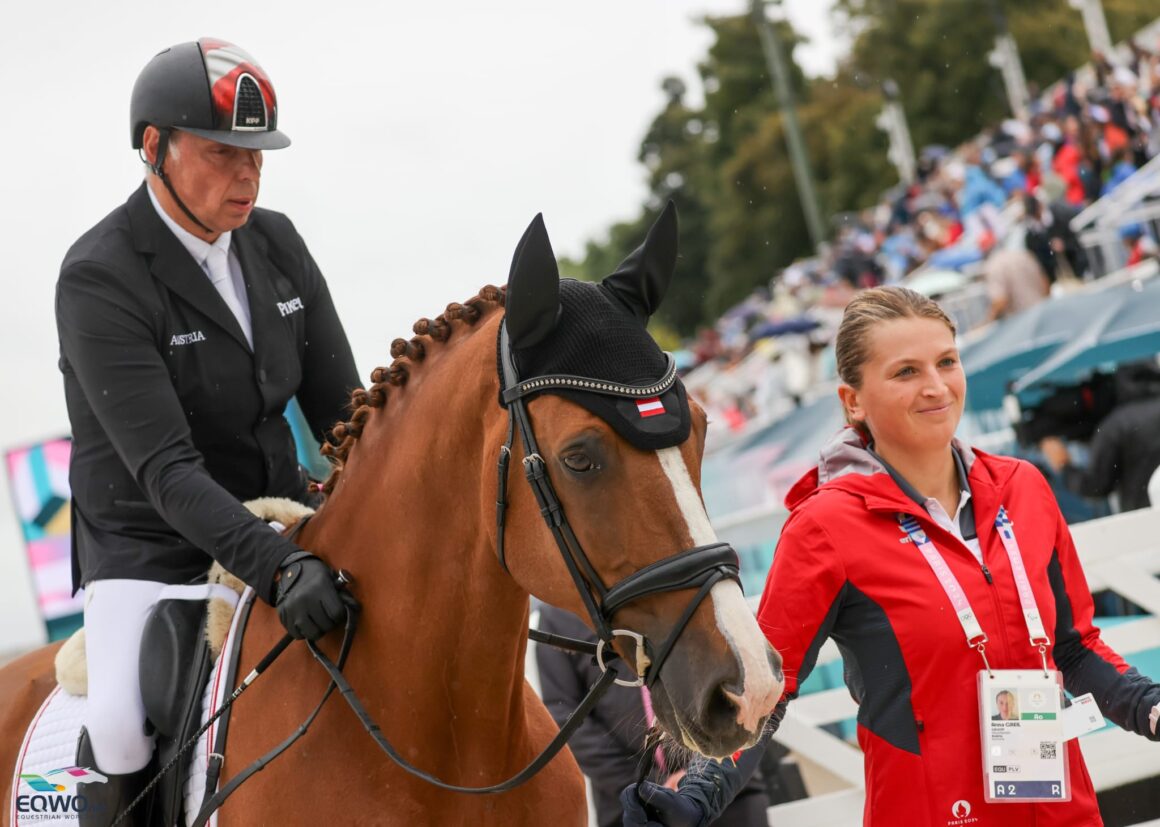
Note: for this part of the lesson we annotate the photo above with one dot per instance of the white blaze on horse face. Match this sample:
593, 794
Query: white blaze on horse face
734, 619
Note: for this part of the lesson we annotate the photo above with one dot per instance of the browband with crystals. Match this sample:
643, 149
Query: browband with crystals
580, 383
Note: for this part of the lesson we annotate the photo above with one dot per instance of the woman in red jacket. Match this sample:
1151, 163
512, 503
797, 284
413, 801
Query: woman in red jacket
948, 578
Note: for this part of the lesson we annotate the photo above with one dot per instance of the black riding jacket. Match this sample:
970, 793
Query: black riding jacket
175, 419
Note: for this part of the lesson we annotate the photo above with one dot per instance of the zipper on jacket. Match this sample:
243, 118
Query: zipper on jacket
986, 574
998, 604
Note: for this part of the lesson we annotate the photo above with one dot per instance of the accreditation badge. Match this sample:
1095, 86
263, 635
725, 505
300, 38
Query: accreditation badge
1020, 718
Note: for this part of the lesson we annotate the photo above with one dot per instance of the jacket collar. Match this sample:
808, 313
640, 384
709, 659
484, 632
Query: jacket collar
846, 464
173, 265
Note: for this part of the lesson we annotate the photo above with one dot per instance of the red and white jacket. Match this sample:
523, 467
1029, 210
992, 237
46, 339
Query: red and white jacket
845, 569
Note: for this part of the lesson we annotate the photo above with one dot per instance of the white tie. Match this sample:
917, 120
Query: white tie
217, 261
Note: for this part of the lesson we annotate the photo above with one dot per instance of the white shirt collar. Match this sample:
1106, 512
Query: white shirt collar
940, 516
197, 247
932, 504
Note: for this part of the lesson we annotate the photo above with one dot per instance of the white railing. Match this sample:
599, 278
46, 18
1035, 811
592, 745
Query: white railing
1121, 553
1139, 185
1099, 224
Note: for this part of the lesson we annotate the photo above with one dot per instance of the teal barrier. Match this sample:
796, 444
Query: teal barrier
308, 456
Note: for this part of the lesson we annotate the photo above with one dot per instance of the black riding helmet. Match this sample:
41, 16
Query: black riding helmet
211, 88
208, 87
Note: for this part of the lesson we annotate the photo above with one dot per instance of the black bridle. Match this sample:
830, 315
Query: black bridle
700, 567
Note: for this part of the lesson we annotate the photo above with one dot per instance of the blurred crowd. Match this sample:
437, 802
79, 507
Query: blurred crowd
984, 228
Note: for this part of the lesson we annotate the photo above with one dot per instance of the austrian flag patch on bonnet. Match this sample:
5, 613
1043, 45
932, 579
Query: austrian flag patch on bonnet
592, 338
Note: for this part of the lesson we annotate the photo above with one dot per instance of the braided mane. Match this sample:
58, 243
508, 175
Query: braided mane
406, 354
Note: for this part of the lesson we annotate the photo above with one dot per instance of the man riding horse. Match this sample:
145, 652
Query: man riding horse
188, 318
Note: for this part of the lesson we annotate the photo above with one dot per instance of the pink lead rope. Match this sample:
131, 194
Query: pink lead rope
651, 719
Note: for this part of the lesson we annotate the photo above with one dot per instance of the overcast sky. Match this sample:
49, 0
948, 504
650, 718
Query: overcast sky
425, 138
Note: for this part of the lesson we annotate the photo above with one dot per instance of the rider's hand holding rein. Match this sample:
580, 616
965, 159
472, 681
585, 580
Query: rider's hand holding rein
308, 601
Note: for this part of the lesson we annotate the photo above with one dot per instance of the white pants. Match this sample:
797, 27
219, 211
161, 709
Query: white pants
115, 614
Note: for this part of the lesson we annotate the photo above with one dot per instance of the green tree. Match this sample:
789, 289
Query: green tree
756, 223
937, 52
673, 152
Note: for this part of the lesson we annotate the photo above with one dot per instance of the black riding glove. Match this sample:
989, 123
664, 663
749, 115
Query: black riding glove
650, 805
308, 601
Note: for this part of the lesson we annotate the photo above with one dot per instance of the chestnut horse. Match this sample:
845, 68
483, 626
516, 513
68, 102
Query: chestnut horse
438, 659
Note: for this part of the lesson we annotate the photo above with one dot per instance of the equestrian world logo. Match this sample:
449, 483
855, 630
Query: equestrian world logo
55, 791
59, 781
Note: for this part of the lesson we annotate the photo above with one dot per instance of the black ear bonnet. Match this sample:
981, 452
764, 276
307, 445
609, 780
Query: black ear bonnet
598, 333
596, 337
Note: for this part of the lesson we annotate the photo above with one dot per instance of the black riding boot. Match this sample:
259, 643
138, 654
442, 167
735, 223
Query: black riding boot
105, 801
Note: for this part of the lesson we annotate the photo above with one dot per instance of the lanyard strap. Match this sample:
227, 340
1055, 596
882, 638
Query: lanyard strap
1031, 616
976, 638
946, 578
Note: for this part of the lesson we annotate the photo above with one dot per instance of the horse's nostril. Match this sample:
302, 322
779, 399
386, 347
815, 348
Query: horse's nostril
775, 665
721, 710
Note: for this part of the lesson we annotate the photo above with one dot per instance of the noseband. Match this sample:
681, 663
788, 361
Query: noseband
698, 568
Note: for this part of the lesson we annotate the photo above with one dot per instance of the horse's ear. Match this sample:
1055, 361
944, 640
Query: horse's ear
642, 279
533, 291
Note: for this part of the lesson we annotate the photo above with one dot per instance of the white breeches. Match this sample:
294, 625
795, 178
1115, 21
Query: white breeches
115, 614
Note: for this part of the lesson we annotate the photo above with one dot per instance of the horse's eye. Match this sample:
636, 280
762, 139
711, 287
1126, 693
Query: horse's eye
578, 462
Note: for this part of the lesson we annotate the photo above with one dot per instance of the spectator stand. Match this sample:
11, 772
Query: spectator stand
1135, 202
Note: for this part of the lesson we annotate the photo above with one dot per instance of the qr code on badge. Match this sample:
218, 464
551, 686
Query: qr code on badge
1047, 750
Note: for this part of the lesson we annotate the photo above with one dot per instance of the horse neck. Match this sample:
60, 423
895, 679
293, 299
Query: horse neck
413, 518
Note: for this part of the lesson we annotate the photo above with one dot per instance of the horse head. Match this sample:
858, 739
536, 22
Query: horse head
613, 526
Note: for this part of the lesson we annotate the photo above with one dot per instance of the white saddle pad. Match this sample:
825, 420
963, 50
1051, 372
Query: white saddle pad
45, 778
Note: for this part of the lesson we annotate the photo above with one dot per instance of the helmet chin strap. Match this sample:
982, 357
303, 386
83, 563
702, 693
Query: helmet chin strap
159, 170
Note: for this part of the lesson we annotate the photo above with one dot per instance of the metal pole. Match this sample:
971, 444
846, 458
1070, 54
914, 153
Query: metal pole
892, 121
1005, 57
1096, 25
803, 177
